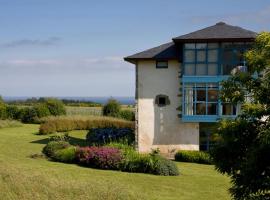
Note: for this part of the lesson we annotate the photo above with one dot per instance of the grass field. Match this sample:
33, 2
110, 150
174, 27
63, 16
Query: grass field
23, 177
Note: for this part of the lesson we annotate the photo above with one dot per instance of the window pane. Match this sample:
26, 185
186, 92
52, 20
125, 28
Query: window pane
189, 109
200, 109
212, 55
201, 56
212, 45
227, 56
201, 69
212, 69
211, 109
228, 109
201, 46
162, 64
189, 56
190, 46
201, 95
212, 95
190, 69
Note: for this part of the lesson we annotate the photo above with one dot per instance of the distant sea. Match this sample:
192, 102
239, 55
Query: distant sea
102, 100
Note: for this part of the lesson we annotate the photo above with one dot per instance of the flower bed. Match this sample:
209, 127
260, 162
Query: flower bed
122, 158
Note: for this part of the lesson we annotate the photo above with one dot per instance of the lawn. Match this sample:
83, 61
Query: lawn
23, 177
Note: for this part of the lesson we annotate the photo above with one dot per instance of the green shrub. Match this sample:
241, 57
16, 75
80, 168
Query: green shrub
147, 163
101, 136
42, 110
13, 112
66, 124
55, 106
193, 156
3, 112
111, 108
127, 115
66, 155
29, 115
60, 137
165, 167
52, 147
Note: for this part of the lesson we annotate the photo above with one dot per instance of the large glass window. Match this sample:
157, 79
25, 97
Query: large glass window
212, 59
201, 99
201, 59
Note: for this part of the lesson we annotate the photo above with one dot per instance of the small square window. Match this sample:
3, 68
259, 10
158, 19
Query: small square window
162, 100
162, 64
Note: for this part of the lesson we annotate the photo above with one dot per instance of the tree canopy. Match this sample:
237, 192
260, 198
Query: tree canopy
243, 151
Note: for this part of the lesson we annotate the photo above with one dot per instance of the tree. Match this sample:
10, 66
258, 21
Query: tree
111, 108
243, 151
55, 106
3, 113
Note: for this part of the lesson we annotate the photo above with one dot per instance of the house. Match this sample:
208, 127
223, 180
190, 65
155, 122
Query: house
177, 87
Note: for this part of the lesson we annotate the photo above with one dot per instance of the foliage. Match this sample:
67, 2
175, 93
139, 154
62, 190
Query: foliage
193, 156
55, 106
52, 147
100, 136
67, 124
243, 151
13, 112
66, 155
3, 113
60, 137
29, 115
99, 157
111, 108
165, 167
147, 163
42, 110
127, 115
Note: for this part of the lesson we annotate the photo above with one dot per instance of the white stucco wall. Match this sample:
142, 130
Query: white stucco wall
160, 127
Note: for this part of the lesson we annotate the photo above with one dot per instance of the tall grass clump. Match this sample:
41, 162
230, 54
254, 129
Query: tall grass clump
9, 123
63, 124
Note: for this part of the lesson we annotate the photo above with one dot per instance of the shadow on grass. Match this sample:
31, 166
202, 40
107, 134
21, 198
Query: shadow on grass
72, 140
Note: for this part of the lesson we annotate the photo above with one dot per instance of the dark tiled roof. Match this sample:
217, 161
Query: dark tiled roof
220, 31
172, 50
164, 51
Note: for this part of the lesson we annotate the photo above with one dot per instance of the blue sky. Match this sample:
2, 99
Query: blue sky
75, 48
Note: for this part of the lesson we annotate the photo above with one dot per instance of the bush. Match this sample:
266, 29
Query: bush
55, 106
42, 110
65, 124
99, 157
52, 147
66, 155
193, 156
29, 115
101, 136
3, 112
165, 167
148, 163
127, 115
60, 137
111, 108
13, 112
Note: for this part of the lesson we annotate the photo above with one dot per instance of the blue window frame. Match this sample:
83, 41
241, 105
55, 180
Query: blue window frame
213, 59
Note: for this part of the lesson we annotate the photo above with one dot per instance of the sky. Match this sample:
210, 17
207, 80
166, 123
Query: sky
76, 48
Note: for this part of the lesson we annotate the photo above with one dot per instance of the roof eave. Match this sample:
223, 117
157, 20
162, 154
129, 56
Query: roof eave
213, 40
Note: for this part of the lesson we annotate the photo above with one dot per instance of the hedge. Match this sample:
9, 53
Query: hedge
193, 157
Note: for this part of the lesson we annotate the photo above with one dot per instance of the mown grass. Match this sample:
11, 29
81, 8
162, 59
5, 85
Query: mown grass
22, 177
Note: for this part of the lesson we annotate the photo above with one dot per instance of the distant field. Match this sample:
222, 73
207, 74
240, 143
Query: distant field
96, 111
74, 110
25, 178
